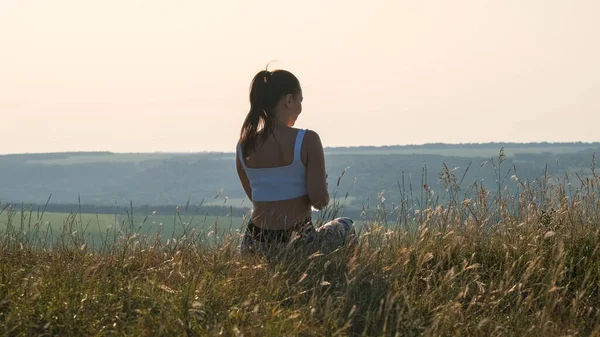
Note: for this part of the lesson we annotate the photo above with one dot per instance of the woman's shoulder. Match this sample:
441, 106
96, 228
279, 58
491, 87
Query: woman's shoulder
311, 139
307, 132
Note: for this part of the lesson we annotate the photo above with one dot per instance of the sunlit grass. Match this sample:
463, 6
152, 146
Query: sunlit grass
485, 263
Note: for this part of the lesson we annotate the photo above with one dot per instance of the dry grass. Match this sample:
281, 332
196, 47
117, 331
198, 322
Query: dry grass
480, 264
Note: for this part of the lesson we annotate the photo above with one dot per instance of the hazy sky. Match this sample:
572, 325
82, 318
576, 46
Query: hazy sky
173, 75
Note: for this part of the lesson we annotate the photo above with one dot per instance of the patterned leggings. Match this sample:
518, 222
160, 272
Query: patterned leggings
302, 239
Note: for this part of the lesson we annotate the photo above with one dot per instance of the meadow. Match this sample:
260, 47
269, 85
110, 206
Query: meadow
481, 263
98, 229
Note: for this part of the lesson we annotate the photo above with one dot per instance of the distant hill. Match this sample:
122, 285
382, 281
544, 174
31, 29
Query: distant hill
105, 178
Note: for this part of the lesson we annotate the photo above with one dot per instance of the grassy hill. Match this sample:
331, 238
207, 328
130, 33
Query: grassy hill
487, 263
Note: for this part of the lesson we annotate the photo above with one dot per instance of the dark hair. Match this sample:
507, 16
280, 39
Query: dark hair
266, 91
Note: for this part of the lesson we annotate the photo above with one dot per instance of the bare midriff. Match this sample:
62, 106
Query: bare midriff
281, 214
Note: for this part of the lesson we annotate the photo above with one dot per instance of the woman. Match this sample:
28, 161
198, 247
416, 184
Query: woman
282, 171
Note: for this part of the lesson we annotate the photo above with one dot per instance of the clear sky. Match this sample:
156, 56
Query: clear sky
173, 75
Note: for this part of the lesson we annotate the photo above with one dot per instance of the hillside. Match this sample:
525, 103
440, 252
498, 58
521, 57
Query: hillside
461, 268
105, 178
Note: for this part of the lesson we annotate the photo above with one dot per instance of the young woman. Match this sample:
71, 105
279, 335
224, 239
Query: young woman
282, 171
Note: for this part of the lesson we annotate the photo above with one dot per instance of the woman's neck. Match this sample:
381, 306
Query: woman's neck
279, 124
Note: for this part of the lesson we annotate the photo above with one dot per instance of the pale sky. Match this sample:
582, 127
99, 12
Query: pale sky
173, 75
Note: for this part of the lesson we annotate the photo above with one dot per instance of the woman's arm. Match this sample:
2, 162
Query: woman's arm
243, 177
316, 177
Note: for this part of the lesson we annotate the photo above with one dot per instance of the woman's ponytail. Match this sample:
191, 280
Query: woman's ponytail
266, 90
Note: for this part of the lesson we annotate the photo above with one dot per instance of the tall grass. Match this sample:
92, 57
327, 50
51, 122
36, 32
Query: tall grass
521, 261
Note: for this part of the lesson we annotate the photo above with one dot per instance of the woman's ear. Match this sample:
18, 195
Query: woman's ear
289, 99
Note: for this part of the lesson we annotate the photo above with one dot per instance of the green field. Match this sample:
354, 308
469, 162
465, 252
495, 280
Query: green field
99, 228
103, 222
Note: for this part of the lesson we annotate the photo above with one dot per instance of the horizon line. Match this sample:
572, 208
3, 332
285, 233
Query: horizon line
324, 148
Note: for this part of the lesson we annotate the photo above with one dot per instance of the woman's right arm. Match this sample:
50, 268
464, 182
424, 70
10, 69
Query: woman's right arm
316, 177
243, 177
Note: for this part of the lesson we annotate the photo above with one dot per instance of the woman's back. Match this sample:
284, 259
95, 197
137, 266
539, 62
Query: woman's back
282, 178
276, 151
